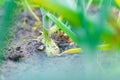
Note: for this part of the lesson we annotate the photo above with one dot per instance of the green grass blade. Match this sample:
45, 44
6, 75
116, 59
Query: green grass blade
64, 28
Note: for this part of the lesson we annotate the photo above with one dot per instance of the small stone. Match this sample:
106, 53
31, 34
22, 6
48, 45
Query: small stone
41, 48
18, 48
16, 57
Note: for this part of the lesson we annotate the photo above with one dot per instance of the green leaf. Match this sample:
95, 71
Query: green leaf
1, 2
64, 28
62, 8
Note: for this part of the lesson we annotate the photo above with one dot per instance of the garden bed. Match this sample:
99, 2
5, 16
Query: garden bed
25, 62
34, 37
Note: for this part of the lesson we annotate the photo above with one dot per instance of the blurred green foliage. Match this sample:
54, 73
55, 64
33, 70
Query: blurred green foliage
88, 32
7, 18
1, 2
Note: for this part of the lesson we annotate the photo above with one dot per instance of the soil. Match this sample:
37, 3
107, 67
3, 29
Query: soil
22, 46
26, 62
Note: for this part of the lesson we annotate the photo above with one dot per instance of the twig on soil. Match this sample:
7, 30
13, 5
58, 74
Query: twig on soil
34, 15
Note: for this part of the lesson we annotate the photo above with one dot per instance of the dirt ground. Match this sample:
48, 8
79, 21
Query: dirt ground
25, 62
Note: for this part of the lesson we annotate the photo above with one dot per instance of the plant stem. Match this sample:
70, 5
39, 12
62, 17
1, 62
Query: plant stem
118, 19
64, 28
34, 15
88, 5
100, 4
